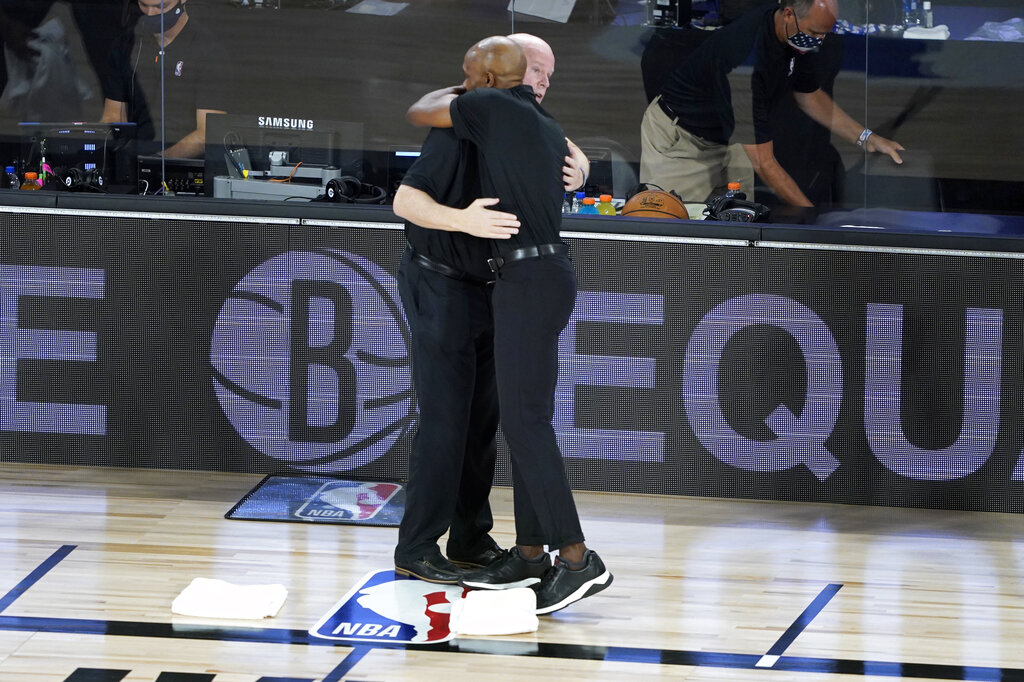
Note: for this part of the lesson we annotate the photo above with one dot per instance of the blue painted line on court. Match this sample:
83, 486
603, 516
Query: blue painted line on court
804, 619
349, 662
33, 577
642, 656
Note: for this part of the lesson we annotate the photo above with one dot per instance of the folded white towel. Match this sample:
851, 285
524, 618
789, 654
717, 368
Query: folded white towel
495, 612
211, 598
940, 32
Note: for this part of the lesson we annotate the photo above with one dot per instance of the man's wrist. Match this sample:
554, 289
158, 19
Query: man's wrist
864, 135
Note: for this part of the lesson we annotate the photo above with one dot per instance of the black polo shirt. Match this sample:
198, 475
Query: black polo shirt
195, 77
698, 90
447, 171
522, 151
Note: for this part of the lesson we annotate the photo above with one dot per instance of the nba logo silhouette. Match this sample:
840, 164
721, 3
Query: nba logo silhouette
383, 607
349, 500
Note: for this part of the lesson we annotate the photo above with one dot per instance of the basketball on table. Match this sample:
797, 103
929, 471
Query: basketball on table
655, 203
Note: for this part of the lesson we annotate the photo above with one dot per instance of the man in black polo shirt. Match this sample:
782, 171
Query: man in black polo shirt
166, 83
446, 286
521, 150
696, 136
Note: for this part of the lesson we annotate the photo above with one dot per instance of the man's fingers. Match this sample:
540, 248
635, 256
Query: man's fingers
499, 218
893, 146
497, 232
486, 201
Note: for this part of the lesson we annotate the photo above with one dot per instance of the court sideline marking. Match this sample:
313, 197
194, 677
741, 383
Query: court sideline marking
798, 626
500, 647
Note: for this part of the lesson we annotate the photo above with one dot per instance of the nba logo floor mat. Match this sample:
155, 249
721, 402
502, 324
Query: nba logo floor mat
322, 499
384, 607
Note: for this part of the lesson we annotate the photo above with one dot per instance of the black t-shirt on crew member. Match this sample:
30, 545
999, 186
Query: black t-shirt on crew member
195, 77
447, 171
698, 91
522, 151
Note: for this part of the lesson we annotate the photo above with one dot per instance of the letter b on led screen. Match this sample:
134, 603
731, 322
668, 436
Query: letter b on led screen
310, 360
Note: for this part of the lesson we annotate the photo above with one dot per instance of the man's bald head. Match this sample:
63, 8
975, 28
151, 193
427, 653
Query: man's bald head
495, 62
540, 62
814, 17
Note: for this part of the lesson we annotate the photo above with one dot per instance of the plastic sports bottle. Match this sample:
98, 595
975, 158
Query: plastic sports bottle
11, 180
588, 206
577, 201
732, 190
604, 206
31, 181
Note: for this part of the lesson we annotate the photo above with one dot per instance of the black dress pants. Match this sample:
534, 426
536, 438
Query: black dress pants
451, 467
533, 300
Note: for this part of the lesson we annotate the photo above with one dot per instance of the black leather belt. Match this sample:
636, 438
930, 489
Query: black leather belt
442, 269
673, 116
497, 262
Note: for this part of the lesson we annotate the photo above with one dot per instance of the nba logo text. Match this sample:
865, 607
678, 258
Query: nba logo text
348, 500
383, 607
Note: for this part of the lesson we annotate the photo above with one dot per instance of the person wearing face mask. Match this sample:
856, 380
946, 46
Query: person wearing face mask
698, 135
168, 52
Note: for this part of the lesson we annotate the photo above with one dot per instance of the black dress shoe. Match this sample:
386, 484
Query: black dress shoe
432, 569
479, 560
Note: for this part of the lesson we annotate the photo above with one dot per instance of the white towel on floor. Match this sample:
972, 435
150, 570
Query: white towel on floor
495, 612
212, 598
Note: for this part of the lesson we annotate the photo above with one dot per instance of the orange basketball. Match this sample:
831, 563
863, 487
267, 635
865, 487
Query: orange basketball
655, 203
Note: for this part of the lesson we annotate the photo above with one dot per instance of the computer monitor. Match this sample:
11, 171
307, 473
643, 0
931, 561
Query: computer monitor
400, 160
107, 148
313, 142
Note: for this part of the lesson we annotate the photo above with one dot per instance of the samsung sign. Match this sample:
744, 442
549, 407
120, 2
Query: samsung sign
793, 387
285, 123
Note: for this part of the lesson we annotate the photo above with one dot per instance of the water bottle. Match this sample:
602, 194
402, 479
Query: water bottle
604, 206
927, 20
566, 206
577, 201
910, 14
11, 180
588, 207
31, 181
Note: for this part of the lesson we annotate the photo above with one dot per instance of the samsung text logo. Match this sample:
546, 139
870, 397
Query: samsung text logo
286, 123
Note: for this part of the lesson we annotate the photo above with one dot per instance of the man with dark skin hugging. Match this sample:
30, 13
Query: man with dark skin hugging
519, 151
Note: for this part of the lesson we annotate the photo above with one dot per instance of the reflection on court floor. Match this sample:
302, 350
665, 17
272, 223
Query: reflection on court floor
91, 558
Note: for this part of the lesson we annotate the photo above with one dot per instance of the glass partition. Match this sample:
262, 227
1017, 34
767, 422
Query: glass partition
302, 100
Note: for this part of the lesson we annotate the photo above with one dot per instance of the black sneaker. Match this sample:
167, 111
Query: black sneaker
563, 586
481, 559
433, 568
511, 570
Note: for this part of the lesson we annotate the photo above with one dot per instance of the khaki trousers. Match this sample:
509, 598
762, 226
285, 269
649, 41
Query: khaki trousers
675, 159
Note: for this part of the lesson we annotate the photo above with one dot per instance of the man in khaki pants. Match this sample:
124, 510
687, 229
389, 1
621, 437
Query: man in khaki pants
699, 134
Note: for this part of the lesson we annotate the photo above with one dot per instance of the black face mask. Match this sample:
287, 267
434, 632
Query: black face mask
803, 42
151, 23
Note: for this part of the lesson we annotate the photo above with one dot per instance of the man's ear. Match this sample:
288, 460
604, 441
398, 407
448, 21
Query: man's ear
491, 79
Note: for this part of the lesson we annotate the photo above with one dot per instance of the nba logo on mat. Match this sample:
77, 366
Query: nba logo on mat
349, 500
384, 607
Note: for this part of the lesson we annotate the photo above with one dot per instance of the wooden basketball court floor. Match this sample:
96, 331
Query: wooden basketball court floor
705, 589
